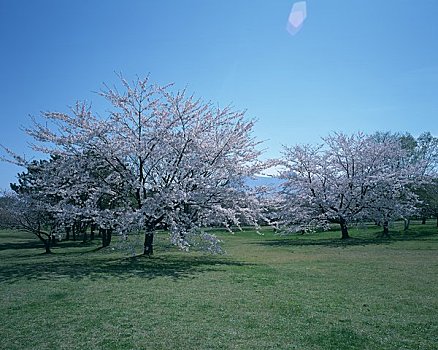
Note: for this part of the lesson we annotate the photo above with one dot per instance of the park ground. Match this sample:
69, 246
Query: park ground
267, 292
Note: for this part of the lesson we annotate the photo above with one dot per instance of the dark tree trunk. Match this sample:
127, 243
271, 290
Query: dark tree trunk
407, 223
423, 221
344, 228
103, 234
385, 229
92, 230
437, 221
85, 237
47, 245
106, 237
148, 243
82, 227
40, 235
67, 233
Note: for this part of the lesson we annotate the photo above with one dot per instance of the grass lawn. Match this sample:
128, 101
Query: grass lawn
267, 292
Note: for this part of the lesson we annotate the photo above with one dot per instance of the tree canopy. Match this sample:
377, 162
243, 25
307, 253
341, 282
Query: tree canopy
158, 159
347, 179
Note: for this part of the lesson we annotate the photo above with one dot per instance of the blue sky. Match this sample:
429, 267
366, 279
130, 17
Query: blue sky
354, 65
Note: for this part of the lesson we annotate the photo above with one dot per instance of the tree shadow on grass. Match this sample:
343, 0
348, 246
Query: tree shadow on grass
75, 260
374, 238
34, 247
35, 244
98, 267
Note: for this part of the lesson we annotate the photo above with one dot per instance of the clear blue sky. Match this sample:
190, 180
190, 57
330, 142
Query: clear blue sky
354, 65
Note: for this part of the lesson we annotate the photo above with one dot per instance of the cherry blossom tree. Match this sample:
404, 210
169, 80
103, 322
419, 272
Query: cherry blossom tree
159, 159
30, 206
421, 153
426, 150
428, 194
38, 199
344, 180
26, 213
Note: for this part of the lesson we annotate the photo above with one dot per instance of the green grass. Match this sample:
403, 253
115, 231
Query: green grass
267, 292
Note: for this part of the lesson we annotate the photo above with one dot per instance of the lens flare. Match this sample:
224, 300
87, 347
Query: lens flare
297, 17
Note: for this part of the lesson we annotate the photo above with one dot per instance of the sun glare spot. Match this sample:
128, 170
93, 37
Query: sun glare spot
297, 17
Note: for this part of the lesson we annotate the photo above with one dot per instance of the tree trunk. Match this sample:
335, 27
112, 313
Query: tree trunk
92, 230
385, 229
74, 232
103, 234
84, 238
148, 243
344, 228
40, 235
67, 233
47, 245
423, 221
106, 237
437, 221
407, 223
